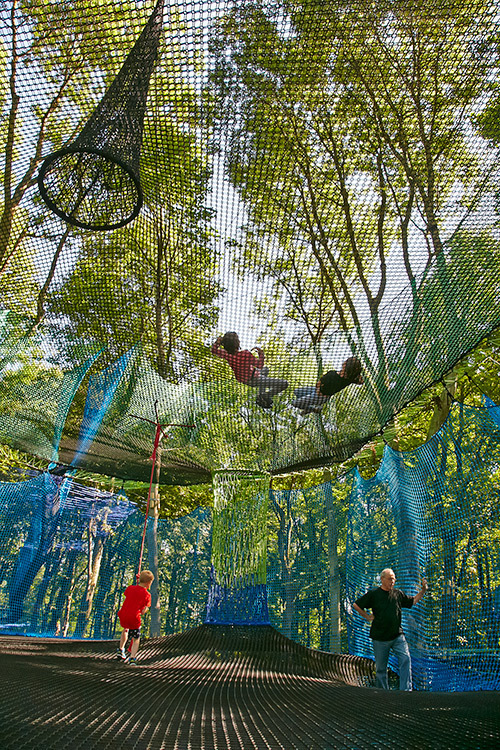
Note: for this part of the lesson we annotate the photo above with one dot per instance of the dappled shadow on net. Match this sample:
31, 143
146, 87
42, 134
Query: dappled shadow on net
221, 687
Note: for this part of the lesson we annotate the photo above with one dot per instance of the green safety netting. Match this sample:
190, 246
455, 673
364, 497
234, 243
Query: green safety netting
318, 176
67, 553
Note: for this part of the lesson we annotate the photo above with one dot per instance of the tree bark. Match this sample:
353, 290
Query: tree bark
95, 559
442, 404
50, 567
333, 570
284, 541
40, 305
152, 540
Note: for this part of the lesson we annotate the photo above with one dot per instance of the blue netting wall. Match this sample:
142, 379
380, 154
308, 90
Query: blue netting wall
67, 552
305, 529
435, 512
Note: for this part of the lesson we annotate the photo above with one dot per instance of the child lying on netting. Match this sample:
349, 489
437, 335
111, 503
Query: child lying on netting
311, 398
137, 600
248, 368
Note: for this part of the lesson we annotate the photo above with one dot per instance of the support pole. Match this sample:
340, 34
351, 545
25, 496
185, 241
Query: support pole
333, 567
156, 452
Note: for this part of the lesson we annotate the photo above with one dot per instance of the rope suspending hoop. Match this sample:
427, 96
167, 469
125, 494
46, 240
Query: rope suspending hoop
95, 182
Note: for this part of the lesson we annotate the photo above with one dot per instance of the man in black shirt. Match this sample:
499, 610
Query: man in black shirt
386, 603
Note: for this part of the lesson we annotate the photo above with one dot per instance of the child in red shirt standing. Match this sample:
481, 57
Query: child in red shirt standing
137, 600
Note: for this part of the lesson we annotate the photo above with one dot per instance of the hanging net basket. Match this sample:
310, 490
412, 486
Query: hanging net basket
90, 189
238, 593
95, 182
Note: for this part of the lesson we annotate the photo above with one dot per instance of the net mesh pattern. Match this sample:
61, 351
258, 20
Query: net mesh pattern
238, 593
219, 687
68, 553
432, 512
319, 177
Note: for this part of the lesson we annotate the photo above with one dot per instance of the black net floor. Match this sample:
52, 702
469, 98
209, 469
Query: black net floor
221, 687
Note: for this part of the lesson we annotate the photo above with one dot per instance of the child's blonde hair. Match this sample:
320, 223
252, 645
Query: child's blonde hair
146, 576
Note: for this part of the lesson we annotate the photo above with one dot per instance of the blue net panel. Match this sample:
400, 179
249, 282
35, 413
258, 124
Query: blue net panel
433, 512
67, 553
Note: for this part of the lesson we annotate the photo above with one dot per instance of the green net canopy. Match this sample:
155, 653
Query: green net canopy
318, 177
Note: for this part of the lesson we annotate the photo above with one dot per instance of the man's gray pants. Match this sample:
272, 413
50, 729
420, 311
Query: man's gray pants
381, 649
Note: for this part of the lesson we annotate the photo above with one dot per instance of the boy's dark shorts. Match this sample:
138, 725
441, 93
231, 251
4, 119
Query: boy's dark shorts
134, 632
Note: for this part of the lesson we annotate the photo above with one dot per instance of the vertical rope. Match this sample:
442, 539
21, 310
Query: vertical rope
153, 460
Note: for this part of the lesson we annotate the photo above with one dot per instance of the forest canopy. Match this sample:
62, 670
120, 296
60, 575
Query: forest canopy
318, 176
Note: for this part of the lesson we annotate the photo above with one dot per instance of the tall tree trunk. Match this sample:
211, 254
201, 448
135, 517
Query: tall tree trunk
442, 404
284, 543
491, 621
116, 599
40, 305
95, 558
152, 540
172, 595
333, 569
104, 603
190, 591
100, 599
65, 616
65, 591
50, 567
14, 193
448, 625
289, 601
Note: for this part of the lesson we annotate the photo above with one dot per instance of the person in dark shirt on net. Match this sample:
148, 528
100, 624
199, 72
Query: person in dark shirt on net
248, 368
386, 633
312, 398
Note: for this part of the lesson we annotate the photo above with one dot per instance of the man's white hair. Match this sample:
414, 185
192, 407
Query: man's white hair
386, 572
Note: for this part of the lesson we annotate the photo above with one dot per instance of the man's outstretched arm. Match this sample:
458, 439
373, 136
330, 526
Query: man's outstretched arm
422, 591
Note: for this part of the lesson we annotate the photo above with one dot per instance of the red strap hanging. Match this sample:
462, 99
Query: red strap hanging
158, 434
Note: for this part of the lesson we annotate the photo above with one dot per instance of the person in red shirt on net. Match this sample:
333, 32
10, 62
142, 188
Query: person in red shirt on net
248, 368
137, 600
